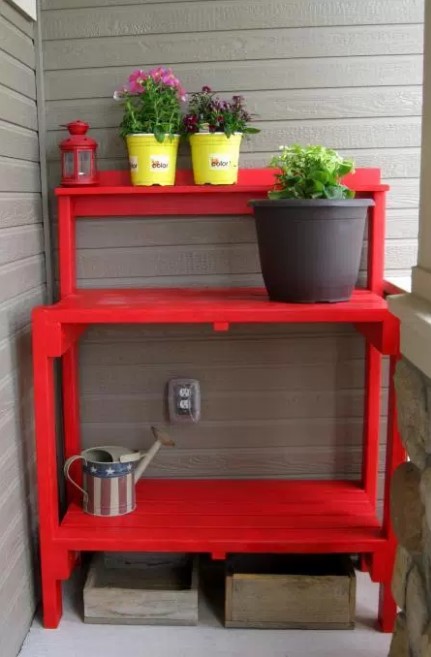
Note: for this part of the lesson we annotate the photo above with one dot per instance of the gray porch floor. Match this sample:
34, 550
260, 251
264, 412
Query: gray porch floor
209, 639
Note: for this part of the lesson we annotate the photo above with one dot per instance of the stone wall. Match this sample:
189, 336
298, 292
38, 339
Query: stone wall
411, 516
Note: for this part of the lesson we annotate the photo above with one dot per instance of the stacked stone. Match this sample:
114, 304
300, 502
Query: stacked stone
411, 516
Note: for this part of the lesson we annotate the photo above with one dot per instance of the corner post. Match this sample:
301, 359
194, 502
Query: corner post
67, 246
46, 453
395, 455
376, 243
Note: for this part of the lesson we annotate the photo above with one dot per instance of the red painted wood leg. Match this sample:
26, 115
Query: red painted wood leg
52, 602
387, 608
363, 563
395, 454
71, 415
66, 245
371, 422
45, 434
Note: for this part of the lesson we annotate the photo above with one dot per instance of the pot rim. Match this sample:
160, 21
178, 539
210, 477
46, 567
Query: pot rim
312, 202
103, 448
211, 134
150, 134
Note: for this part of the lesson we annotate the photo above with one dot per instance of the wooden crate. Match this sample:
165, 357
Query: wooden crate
157, 590
282, 591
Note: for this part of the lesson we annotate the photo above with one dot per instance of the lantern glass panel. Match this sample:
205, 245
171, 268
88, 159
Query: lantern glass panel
84, 163
68, 164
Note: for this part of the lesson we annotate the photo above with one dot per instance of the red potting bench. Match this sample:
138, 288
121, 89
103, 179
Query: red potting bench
213, 516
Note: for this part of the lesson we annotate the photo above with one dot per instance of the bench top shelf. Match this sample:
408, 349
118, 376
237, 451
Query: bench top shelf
207, 305
250, 181
220, 516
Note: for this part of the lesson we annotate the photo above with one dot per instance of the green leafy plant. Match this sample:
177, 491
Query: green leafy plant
208, 113
310, 172
152, 103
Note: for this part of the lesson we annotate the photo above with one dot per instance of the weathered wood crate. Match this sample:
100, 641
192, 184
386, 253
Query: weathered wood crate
142, 590
282, 591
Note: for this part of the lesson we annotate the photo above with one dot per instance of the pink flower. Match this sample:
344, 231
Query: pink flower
169, 80
161, 75
136, 81
157, 73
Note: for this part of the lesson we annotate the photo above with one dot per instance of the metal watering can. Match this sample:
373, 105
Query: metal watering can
110, 474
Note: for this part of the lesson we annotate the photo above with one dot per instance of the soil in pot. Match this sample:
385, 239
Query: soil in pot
310, 250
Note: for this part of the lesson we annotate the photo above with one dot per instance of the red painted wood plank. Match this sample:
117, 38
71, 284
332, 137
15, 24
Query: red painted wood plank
212, 540
205, 535
174, 203
240, 522
237, 508
232, 515
245, 496
195, 305
249, 180
334, 506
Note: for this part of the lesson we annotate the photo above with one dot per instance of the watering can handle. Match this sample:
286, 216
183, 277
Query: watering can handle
66, 469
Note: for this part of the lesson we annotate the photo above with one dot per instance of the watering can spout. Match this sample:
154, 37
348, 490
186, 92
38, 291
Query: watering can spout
145, 458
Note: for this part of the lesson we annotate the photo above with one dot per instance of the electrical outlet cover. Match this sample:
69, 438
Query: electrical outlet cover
184, 400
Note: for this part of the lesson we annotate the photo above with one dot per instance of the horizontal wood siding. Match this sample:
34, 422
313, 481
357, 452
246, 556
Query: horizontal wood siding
166, 18
277, 401
22, 285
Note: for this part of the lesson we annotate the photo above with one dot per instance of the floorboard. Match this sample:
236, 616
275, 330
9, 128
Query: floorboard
209, 638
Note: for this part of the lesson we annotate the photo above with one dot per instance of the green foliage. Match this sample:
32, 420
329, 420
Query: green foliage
155, 111
310, 172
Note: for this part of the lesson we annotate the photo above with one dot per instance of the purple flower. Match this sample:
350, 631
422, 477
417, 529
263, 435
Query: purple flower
206, 89
191, 123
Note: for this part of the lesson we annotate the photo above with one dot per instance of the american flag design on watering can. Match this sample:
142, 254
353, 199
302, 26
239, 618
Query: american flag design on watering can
110, 488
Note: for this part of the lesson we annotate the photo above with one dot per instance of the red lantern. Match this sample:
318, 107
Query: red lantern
78, 156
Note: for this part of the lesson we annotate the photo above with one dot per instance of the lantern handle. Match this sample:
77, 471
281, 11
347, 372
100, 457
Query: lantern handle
76, 127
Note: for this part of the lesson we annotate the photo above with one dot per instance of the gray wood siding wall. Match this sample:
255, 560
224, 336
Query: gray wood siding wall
22, 285
276, 401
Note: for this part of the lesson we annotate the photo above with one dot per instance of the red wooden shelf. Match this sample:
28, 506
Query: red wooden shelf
250, 181
222, 516
215, 516
207, 305
65, 320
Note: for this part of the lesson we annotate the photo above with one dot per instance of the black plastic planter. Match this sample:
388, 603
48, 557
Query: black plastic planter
310, 250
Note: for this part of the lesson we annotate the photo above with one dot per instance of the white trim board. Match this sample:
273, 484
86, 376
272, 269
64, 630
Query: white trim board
27, 7
415, 316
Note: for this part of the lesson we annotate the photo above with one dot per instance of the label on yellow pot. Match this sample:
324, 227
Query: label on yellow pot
218, 161
133, 161
160, 162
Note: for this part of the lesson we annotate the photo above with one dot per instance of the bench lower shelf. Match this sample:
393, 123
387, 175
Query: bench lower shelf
222, 516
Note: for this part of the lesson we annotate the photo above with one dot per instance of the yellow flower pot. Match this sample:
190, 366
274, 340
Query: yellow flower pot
152, 162
215, 158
